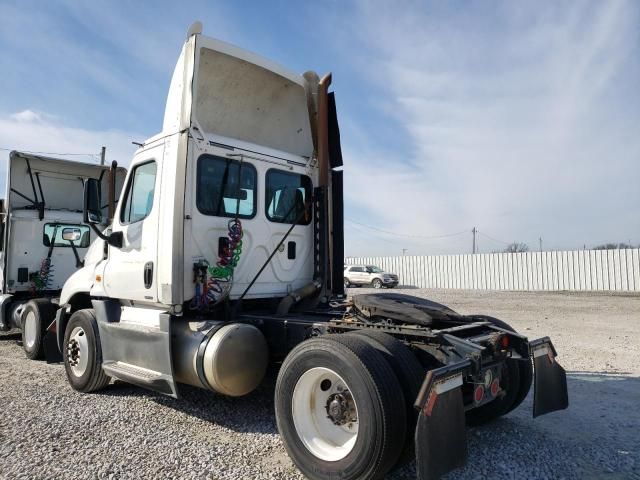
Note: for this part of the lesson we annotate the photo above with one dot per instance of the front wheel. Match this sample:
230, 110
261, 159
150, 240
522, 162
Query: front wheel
340, 409
377, 283
82, 353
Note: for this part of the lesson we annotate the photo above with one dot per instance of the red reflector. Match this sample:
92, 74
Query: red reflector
478, 394
431, 402
505, 341
495, 387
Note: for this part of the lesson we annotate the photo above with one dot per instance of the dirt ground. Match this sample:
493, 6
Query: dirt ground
49, 431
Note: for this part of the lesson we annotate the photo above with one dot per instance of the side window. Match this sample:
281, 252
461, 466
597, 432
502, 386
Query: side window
225, 187
139, 197
285, 197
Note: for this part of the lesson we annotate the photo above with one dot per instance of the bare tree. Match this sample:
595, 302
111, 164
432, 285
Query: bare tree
516, 247
612, 246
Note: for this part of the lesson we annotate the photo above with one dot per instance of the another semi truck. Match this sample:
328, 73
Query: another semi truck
43, 239
225, 253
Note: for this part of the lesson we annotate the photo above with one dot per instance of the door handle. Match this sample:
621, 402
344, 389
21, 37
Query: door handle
148, 274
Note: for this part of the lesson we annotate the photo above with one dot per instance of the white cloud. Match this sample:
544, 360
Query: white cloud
40, 132
521, 121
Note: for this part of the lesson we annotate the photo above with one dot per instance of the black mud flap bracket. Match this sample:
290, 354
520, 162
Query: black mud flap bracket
440, 436
550, 381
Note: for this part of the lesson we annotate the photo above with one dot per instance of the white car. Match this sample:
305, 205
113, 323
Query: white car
369, 275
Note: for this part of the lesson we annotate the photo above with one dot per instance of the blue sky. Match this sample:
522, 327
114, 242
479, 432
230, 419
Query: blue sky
522, 119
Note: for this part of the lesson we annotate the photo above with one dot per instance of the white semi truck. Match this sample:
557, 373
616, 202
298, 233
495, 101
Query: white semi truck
43, 239
225, 253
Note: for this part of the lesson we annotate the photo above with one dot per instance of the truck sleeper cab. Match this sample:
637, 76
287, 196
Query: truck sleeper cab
226, 253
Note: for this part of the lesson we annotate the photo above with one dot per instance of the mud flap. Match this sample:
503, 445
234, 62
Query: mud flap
52, 353
550, 381
440, 436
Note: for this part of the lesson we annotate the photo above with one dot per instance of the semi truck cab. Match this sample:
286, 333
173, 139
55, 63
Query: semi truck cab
43, 239
225, 254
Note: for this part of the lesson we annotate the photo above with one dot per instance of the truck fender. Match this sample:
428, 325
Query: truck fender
62, 319
5, 300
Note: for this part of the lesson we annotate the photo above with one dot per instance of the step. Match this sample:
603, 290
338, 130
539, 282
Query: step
139, 376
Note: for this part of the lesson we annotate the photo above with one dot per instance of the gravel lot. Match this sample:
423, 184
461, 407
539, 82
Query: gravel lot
49, 431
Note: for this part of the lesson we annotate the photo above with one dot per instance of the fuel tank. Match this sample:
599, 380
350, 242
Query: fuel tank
228, 358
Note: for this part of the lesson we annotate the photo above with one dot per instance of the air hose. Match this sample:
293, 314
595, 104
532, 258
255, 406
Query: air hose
44, 277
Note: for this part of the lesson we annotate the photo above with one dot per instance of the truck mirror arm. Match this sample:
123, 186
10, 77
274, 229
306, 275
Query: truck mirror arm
79, 263
114, 239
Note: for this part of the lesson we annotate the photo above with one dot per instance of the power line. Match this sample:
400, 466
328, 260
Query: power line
377, 236
491, 238
405, 234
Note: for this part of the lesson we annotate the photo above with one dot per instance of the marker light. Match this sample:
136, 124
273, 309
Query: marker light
478, 394
488, 378
495, 387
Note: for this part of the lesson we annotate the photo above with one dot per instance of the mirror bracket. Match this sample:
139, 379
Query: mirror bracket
115, 239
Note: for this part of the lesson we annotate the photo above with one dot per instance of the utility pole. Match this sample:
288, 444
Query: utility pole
102, 155
474, 231
540, 240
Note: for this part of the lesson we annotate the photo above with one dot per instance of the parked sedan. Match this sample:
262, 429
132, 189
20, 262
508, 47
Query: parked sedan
369, 275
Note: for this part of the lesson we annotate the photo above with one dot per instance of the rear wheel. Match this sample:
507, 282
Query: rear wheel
377, 283
36, 317
346, 282
340, 409
82, 353
410, 374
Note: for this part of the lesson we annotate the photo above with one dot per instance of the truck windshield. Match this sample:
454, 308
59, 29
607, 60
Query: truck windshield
53, 232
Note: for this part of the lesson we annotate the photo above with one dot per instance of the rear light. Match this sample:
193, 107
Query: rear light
504, 341
495, 387
478, 394
488, 378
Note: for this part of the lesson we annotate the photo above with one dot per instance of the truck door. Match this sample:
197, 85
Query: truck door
130, 271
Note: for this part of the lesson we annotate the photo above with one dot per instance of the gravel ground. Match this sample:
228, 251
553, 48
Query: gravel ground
50, 431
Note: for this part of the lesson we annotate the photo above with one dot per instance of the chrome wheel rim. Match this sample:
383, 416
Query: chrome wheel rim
30, 330
377, 283
78, 351
325, 414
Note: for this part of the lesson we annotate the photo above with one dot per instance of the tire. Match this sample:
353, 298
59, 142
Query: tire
36, 317
82, 353
519, 372
409, 372
376, 283
310, 435
346, 282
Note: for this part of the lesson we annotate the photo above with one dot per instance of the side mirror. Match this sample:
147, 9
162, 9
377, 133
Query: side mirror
71, 234
92, 213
